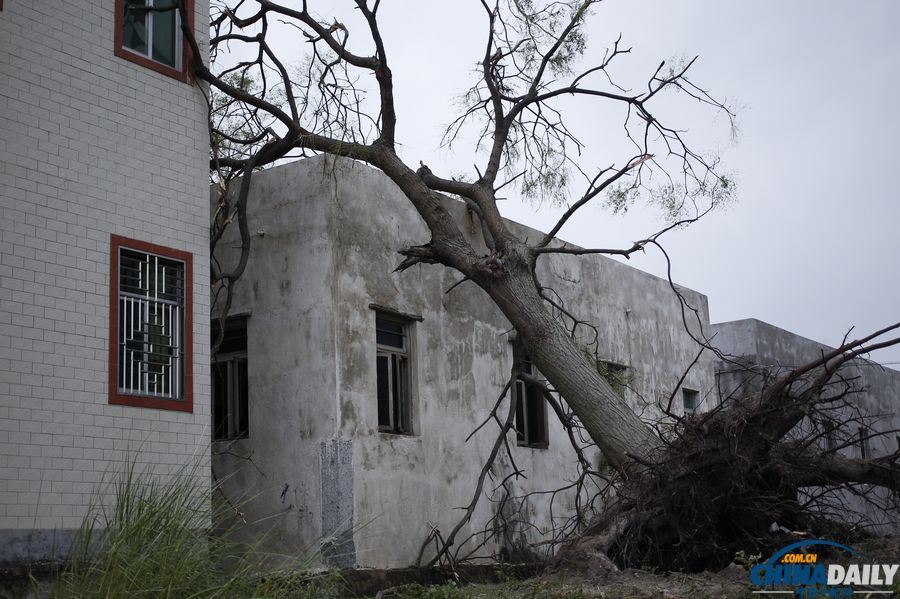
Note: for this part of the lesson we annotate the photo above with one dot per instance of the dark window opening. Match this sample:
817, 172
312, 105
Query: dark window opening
230, 388
392, 372
896, 492
864, 451
531, 409
829, 432
690, 399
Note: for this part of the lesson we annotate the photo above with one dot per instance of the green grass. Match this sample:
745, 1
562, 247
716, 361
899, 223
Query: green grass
154, 540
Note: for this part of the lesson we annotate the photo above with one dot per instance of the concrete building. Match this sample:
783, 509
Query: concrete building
851, 426
364, 383
104, 309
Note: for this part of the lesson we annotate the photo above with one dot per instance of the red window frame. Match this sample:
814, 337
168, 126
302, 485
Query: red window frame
182, 74
186, 403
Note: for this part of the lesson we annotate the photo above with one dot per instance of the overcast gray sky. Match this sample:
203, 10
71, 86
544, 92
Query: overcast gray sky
811, 244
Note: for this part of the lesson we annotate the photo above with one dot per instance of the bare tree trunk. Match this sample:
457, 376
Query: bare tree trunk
508, 278
611, 423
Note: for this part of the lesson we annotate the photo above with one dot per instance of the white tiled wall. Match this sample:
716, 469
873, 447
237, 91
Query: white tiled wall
90, 145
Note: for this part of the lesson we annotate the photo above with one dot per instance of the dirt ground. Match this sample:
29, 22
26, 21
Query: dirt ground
731, 583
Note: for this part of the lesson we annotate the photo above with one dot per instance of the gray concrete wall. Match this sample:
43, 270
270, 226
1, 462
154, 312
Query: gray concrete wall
274, 475
339, 227
759, 344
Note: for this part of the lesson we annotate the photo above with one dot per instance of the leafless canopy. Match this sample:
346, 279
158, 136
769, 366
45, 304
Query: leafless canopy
264, 109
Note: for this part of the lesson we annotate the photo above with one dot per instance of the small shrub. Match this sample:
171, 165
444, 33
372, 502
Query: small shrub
746, 561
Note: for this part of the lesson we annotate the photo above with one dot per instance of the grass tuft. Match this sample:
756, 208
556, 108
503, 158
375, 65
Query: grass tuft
155, 540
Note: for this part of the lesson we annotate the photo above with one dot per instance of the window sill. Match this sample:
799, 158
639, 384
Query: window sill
395, 435
157, 403
534, 445
221, 442
182, 74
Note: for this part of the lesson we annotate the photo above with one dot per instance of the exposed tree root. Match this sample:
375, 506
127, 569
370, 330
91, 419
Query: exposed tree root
707, 497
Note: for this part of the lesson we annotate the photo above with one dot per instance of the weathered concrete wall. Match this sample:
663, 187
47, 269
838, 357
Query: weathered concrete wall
402, 485
291, 348
758, 343
91, 146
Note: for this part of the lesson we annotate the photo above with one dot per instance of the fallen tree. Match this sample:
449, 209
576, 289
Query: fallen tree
742, 475
741, 460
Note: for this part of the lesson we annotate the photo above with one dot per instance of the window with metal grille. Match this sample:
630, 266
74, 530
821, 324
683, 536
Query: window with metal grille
151, 302
392, 367
531, 409
229, 380
150, 312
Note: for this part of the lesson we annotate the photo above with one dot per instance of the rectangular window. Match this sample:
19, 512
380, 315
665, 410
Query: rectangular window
231, 406
148, 32
864, 451
690, 399
531, 409
830, 435
392, 366
150, 315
